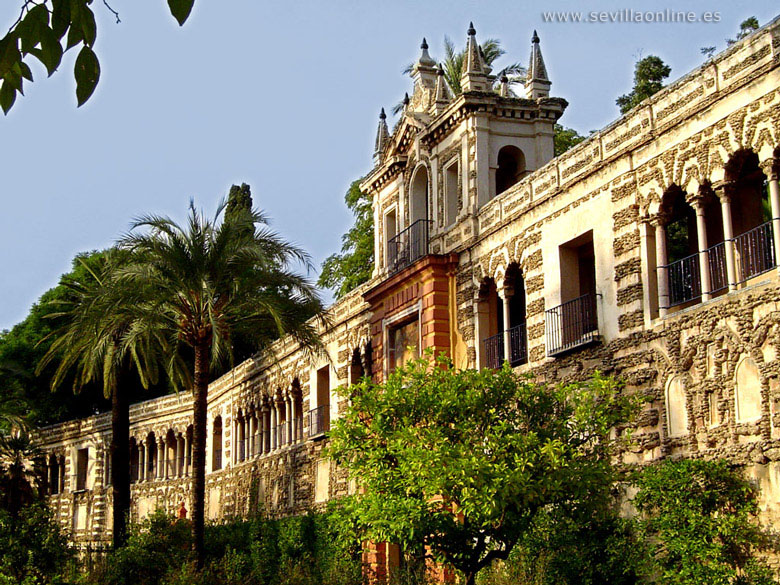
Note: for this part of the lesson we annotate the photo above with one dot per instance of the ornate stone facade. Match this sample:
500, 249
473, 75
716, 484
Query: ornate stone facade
649, 252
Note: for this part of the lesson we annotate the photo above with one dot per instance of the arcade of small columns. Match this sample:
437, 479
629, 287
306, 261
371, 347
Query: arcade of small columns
725, 192
277, 421
164, 457
55, 474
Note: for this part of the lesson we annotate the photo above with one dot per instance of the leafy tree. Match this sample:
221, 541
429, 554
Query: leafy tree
457, 464
649, 75
45, 30
699, 518
354, 265
239, 200
33, 548
565, 138
91, 346
746, 28
207, 281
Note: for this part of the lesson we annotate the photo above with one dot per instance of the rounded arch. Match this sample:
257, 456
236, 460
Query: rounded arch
510, 167
748, 190
216, 444
676, 406
419, 189
747, 391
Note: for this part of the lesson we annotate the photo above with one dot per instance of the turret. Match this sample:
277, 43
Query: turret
537, 83
476, 72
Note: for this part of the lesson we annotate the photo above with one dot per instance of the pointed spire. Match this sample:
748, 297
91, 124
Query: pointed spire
425, 57
475, 72
442, 96
406, 100
382, 136
537, 83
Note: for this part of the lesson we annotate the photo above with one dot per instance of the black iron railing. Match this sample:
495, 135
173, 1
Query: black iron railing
494, 351
518, 348
684, 280
408, 246
754, 252
571, 324
518, 352
318, 420
719, 277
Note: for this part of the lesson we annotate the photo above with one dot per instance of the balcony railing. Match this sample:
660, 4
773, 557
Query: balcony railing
494, 348
407, 246
572, 324
318, 420
719, 277
754, 252
684, 280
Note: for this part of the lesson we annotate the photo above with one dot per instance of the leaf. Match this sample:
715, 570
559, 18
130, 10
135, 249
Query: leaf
180, 9
9, 53
30, 30
88, 27
26, 71
60, 17
51, 51
7, 96
87, 73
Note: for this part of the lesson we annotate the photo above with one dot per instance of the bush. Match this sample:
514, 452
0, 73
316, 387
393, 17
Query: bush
33, 549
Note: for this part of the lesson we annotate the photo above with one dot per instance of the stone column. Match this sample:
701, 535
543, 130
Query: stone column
480, 320
771, 168
724, 194
274, 425
290, 419
161, 459
661, 261
701, 235
508, 292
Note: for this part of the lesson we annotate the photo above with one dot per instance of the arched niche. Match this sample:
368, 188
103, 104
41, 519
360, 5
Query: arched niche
747, 391
676, 409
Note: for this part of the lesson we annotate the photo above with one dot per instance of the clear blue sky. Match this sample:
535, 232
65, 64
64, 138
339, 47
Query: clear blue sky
281, 95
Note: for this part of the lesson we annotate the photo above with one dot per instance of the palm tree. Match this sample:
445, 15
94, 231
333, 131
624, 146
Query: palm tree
18, 475
90, 344
211, 280
453, 66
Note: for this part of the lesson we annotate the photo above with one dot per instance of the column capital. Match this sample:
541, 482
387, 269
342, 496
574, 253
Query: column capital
771, 168
724, 190
659, 219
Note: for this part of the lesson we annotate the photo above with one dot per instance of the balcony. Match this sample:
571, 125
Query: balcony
518, 350
318, 420
684, 280
408, 246
754, 252
571, 325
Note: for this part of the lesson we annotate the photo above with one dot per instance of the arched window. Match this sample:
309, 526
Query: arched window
54, 475
747, 392
682, 259
751, 215
492, 306
418, 196
676, 408
134, 460
216, 445
356, 372
151, 456
511, 167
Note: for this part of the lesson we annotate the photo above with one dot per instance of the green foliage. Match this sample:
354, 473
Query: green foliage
699, 519
301, 550
46, 30
565, 138
458, 463
746, 27
649, 75
33, 549
239, 201
353, 266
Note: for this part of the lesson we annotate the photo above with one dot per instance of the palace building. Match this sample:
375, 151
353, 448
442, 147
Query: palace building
649, 252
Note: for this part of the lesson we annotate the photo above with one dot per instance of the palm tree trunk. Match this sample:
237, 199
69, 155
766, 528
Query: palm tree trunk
200, 392
120, 463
